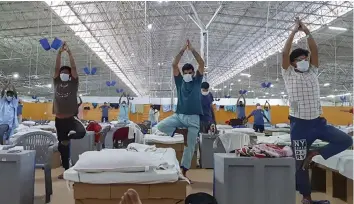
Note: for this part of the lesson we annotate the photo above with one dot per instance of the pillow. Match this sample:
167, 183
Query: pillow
282, 125
117, 160
29, 123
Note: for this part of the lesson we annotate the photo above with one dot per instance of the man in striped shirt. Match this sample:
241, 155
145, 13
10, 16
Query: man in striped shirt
300, 69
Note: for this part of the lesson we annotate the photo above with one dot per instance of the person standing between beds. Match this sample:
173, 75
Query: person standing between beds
123, 116
19, 111
66, 85
300, 70
154, 115
8, 113
266, 112
241, 107
208, 116
188, 105
105, 108
258, 114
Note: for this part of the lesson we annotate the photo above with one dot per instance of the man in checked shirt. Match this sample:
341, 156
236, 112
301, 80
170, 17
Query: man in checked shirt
300, 69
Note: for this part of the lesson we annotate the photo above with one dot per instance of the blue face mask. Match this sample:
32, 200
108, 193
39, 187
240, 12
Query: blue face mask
9, 98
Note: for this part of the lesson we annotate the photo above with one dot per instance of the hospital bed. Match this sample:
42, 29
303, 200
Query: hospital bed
108, 186
176, 142
337, 172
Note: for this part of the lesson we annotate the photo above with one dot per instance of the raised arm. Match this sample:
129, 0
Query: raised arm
311, 43
80, 101
14, 90
177, 60
287, 46
4, 88
267, 104
197, 57
58, 63
128, 99
265, 117
120, 99
72, 62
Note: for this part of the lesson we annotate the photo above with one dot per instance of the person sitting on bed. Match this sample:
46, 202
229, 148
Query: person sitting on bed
189, 107
300, 69
258, 114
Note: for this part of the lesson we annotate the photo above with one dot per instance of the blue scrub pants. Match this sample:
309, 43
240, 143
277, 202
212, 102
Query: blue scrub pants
191, 122
303, 133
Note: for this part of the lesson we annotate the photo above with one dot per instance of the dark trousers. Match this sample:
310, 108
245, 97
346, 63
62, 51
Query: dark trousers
258, 128
4, 128
104, 119
64, 126
303, 133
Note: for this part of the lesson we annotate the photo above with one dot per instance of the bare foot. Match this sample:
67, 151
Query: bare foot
183, 132
130, 197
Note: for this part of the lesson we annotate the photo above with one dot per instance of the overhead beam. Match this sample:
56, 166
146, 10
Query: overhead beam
200, 23
195, 21
214, 16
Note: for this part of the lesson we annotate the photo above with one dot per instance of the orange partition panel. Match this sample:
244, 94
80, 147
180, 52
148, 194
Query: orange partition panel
279, 114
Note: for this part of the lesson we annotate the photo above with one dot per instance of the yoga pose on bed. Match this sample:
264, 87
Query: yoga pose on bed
188, 106
65, 107
300, 73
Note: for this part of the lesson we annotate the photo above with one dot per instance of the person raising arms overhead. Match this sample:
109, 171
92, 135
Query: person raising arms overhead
300, 70
189, 109
65, 107
241, 107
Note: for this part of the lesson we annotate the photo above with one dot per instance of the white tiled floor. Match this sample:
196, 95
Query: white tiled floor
202, 182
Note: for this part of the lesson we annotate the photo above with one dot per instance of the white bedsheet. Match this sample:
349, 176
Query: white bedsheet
248, 131
283, 139
153, 138
150, 177
223, 127
342, 162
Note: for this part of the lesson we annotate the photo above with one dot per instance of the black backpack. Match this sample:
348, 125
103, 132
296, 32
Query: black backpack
200, 198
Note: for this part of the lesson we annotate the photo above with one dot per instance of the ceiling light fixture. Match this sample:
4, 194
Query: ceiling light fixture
239, 80
282, 93
326, 84
15, 75
337, 28
149, 26
247, 75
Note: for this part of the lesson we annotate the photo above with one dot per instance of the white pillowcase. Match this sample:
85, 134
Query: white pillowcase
282, 125
117, 160
29, 123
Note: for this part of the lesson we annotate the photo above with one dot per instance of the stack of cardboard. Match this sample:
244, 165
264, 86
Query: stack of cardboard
164, 193
179, 152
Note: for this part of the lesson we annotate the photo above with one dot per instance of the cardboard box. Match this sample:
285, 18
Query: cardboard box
56, 160
117, 201
176, 191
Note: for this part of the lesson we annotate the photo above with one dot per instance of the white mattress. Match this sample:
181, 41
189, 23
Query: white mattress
223, 127
272, 129
153, 138
150, 177
342, 162
248, 131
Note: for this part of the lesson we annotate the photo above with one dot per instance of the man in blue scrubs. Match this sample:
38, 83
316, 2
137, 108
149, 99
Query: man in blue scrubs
208, 116
105, 109
8, 113
258, 115
189, 107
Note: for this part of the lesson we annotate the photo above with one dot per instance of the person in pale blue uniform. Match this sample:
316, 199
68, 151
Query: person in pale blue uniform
8, 113
189, 106
267, 114
241, 107
123, 116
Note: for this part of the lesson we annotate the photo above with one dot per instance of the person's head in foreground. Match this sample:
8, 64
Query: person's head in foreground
205, 88
105, 103
188, 72
258, 106
65, 73
299, 59
10, 95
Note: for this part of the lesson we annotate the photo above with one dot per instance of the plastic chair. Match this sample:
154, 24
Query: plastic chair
45, 144
101, 144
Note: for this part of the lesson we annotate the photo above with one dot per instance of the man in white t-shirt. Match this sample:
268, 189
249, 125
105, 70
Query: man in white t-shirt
300, 70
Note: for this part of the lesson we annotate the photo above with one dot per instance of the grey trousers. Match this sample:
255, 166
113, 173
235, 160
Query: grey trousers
4, 128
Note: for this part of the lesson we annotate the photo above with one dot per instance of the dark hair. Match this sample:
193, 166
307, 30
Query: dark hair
9, 92
205, 85
297, 53
65, 68
187, 66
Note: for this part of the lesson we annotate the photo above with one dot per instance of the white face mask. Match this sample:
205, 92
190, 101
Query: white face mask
187, 78
302, 66
64, 77
205, 93
259, 107
9, 98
